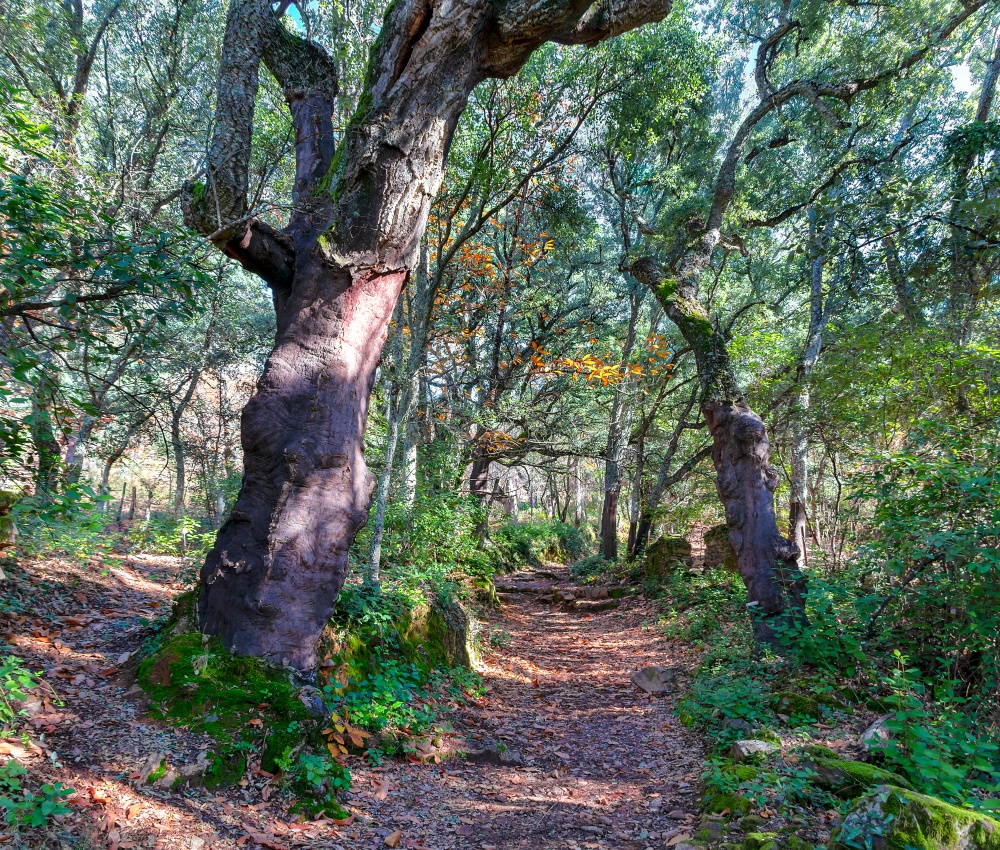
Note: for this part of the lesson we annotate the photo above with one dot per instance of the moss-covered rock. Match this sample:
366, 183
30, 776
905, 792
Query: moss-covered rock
718, 550
760, 841
793, 842
666, 555
726, 802
8, 529
893, 818
820, 751
796, 705
850, 779
768, 735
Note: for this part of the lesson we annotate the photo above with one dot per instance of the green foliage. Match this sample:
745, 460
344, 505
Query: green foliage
944, 751
15, 683
22, 807
315, 780
518, 544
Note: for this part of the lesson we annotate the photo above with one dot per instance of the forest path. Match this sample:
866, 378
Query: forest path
602, 765
591, 761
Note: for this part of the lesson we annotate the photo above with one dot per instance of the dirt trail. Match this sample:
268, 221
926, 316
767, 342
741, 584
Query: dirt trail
591, 761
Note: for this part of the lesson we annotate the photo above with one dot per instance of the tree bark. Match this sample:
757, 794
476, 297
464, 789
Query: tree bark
177, 443
741, 452
335, 272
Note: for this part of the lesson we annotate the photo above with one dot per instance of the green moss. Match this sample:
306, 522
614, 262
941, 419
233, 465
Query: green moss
242, 702
793, 842
743, 772
225, 769
795, 705
198, 190
820, 751
8, 498
728, 801
159, 773
892, 818
850, 779
760, 841
751, 823
767, 735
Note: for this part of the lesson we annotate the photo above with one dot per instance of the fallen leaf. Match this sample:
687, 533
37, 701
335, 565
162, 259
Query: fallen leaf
393, 838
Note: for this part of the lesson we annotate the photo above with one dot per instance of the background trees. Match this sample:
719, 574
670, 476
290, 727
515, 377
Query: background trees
810, 190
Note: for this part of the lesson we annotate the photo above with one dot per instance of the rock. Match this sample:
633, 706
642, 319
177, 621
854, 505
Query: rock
453, 629
594, 604
795, 705
892, 818
312, 699
877, 733
666, 555
752, 750
718, 550
711, 831
653, 680
737, 725
495, 753
850, 779
677, 814
565, 596
760, 841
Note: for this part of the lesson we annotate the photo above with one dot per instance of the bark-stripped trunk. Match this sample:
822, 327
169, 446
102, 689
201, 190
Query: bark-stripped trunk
741, 452
336, 271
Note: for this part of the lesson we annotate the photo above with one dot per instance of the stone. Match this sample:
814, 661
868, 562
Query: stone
653, 680
794, 704
737, 725
877, 733
495, 753
565, 596
760, 841
893, 818
594, 604
752, 750
718, 550
667, 555
850, 779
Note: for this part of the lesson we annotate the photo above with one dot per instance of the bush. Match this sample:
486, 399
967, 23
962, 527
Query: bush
518, 544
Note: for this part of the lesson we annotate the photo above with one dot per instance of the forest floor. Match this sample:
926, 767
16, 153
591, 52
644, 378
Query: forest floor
590, 760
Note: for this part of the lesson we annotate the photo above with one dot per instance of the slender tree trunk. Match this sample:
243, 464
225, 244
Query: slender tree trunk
43, 435
578, 500
177, 444
617, 439
408, 475
818, 318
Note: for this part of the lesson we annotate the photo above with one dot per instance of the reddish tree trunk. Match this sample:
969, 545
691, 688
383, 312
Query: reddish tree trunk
335, 271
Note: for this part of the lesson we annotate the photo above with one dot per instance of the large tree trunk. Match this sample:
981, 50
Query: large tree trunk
335, 271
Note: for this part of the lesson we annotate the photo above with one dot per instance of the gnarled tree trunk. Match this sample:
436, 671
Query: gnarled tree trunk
741, 452
335, 271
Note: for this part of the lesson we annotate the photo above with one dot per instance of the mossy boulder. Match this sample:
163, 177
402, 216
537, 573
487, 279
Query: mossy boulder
820, 751
796, 705
726, 802
8, 529
850, 779
667, 555
718, 550
440, 634
760, 841
893, 818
